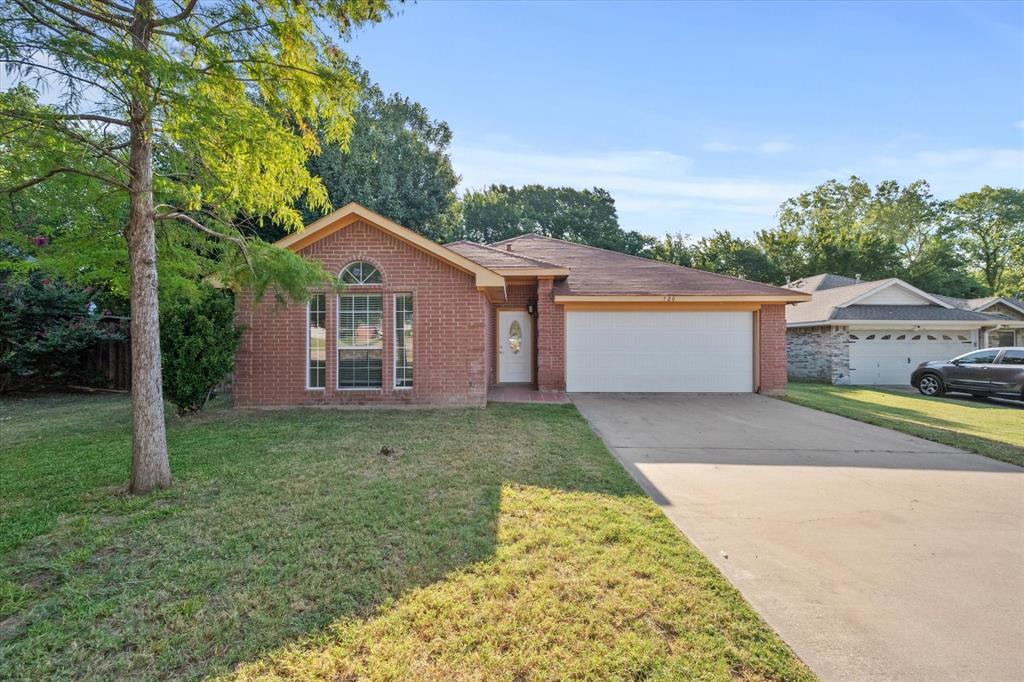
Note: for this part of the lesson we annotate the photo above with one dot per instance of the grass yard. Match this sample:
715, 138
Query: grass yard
988, 428
504, 543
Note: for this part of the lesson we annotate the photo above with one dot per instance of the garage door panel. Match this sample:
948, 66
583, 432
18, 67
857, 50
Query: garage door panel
889, 356
642, 351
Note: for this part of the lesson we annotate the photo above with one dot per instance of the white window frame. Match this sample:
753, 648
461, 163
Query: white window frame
308, 332
394, 344
364, 283
337, 343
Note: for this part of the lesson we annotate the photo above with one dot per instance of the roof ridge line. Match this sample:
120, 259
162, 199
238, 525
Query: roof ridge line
508, 253
641, 258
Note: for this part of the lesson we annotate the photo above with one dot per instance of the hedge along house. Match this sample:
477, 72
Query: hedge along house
418, 323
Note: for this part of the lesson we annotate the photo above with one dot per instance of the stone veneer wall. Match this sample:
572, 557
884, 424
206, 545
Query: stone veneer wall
821, 353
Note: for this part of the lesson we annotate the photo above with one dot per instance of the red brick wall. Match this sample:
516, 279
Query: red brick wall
550, 339
450, 365
773, 348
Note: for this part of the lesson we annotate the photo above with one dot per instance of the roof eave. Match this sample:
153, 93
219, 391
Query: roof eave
901, 324
353, 212
532, 272
678, 298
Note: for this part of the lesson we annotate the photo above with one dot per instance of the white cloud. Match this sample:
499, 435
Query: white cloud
954, 171
658, 192
654, 191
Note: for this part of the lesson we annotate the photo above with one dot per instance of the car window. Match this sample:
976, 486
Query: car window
1013, 357
979, 357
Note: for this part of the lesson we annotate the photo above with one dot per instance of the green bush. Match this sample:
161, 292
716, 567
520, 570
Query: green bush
45, 325
198, 339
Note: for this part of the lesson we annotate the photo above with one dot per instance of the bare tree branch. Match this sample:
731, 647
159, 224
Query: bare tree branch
95, 117
57, 171
186, 218
191, 5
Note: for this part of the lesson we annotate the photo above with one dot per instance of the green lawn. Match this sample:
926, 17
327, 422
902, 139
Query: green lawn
988, 428
503, 543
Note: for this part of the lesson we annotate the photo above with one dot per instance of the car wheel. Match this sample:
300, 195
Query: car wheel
930, 385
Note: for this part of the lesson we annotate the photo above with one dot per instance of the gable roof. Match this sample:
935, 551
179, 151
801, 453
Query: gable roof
595, 272
842, 302
981, 304
353, 212
882, 284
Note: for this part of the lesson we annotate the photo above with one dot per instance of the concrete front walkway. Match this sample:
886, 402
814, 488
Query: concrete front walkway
874, 554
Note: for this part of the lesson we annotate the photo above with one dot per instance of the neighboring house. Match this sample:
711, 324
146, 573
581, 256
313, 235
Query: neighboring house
420, 323
878, 332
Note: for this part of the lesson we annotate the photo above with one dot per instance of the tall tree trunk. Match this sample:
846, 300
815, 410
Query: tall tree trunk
150, 466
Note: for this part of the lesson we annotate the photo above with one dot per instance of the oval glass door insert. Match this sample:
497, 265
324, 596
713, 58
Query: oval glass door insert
515, 336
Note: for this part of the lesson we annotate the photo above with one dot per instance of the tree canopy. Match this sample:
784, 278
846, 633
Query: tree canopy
396, 163
967, 247
585, 216
197, 115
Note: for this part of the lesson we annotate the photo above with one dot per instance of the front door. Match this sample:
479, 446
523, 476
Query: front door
515, 347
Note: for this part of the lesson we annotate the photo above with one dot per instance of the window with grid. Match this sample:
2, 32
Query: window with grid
403, 341
360, 335
316, 341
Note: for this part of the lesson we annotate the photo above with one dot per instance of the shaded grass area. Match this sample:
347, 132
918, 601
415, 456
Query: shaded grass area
503, 543
990, 429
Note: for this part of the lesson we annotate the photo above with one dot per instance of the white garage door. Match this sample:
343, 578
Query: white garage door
889, 356
659, 352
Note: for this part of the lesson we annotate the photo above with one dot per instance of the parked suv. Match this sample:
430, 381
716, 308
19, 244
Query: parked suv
997, 372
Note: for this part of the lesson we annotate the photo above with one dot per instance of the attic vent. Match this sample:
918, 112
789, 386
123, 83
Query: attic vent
508, 247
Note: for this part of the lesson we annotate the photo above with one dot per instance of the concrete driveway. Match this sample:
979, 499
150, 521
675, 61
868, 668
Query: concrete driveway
874, 554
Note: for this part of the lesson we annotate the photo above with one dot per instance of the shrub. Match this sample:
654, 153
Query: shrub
45, 325
198, 339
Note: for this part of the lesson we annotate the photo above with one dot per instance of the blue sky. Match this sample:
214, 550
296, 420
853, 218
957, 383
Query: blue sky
704, 116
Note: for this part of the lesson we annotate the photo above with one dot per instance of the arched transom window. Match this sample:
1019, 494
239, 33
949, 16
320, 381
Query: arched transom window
360, 272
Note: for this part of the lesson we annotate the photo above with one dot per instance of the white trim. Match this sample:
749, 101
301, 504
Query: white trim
361, 261
485, 277
337, 345
394, 342
308, 387
891, 283
905, 324
999, 299
794, 297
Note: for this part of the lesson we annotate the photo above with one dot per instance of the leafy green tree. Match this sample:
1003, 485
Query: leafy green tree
990, 227
835, 235
45, 324
583, 216
673, 248
198, 343
193, 114
913, 222
397, 163
728, 255
784, 247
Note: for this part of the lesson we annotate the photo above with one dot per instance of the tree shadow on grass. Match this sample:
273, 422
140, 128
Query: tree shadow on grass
283, 528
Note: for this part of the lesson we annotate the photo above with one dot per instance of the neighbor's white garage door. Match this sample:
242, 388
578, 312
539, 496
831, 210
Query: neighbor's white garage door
659, 352
889, 356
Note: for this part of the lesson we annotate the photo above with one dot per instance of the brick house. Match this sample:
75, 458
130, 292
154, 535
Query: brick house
877, 332
418, 323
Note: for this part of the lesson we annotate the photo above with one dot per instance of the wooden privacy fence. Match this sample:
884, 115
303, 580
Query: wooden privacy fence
108, 364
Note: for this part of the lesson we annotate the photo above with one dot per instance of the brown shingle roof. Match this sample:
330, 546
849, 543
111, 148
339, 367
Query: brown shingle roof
490, 257
594, 271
